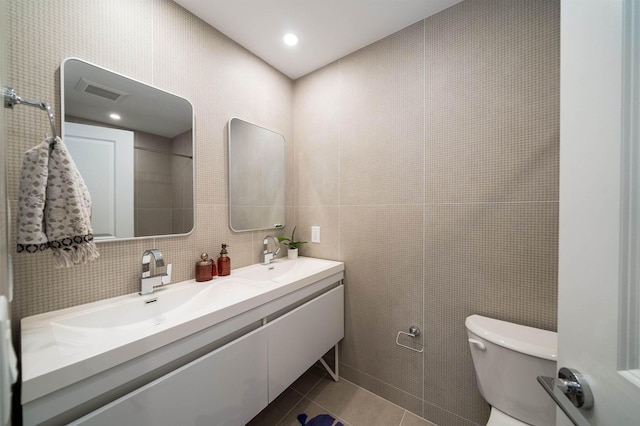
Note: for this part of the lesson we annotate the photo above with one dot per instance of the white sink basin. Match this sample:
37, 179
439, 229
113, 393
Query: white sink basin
272, 271
174, 303
134, 311
279, 271
166, 306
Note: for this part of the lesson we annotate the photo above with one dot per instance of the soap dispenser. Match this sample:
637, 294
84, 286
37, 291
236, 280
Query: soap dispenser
205, 268
224, 262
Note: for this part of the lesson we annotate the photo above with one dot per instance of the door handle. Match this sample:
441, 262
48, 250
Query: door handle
569, 391
575, 387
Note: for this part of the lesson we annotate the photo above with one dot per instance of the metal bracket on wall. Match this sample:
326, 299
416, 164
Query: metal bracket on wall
11, 98
413, 332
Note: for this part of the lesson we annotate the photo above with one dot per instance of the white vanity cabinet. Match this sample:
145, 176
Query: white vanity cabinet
299, 338
224, 387
224, 373
232, 384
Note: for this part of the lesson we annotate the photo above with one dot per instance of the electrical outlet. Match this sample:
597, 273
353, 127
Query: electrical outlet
315, 234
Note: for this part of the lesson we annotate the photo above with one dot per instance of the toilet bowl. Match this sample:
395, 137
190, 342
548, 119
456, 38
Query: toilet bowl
508, 358
498, 418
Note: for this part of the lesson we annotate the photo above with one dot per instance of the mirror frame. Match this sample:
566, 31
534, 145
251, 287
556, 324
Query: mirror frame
193, 147
230, 179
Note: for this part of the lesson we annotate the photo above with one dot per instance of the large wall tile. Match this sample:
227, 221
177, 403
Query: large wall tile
492, 101
383, 291
382, 121
456, 115
317, 131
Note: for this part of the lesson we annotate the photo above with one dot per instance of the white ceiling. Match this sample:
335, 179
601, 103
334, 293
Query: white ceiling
328, 29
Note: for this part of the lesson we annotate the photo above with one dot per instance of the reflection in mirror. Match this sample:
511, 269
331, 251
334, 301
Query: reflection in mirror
256, 177
133, 145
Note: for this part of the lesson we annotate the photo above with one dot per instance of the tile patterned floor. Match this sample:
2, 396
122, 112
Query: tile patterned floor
316, 393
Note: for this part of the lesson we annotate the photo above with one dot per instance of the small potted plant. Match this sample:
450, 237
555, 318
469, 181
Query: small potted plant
292, 244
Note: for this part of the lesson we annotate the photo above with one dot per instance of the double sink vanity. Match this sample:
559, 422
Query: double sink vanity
213, 353
220, 350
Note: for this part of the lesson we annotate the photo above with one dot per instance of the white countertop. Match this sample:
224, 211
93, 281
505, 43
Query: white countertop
56, 354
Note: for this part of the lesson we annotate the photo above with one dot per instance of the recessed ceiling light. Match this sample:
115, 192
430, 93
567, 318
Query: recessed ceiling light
114, 116
290, 39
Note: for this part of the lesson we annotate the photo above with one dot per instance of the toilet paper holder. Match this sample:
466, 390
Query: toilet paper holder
414, 332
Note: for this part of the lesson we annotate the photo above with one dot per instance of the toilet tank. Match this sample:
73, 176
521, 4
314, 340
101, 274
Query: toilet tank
508, 358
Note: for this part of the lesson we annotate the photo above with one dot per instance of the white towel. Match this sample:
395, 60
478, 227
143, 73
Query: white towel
54, 206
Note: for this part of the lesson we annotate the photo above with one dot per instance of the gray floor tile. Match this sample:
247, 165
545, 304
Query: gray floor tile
276, 411
354, 404
309, 379
347, 403
311, 409
411, 419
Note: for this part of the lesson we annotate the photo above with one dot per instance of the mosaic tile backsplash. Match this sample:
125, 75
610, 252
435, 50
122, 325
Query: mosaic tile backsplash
429, 159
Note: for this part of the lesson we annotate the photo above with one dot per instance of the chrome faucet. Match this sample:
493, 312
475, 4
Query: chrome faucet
148, 282
268, 256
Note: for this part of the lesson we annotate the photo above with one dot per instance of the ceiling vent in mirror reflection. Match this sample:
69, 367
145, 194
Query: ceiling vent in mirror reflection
139, 169
96, 89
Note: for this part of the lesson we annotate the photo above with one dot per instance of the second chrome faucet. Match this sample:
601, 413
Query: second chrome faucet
268, 256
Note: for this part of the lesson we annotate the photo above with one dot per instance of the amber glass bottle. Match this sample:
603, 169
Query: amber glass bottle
205, 268
224, 262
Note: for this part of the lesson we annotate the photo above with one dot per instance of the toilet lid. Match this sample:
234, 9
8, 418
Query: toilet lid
528, 340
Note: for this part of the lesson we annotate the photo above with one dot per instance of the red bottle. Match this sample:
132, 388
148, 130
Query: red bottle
224, 262
205, 269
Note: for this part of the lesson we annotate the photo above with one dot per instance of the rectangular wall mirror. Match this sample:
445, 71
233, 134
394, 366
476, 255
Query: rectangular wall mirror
133, 145
256, 177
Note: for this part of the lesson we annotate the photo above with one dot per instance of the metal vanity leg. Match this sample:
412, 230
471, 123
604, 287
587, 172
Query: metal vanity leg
334, 373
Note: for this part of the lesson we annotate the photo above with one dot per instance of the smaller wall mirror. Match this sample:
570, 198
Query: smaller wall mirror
256, 177
133, 145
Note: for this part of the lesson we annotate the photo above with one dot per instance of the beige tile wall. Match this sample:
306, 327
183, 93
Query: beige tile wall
159, 43
430, 161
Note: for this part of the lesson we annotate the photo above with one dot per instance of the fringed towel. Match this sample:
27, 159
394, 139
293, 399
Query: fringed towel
54, 206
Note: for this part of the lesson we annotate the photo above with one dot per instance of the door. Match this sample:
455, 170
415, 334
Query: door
597, 321
109, 175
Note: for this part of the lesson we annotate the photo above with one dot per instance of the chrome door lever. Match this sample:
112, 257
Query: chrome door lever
569, 391
575, 387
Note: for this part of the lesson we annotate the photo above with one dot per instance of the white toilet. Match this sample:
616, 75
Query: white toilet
508, 358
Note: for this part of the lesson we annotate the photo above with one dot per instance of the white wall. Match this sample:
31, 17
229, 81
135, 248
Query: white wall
3, 155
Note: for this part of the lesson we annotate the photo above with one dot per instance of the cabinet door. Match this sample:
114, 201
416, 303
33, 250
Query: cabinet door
299, 338
225, 387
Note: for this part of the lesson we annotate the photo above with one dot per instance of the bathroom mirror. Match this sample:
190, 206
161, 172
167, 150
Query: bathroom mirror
256, 177
133, 145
